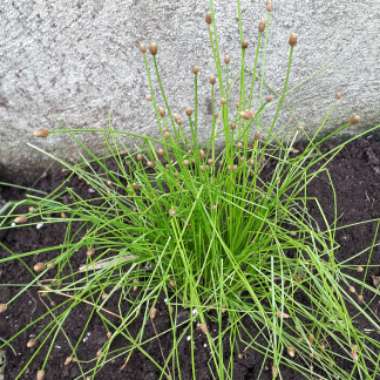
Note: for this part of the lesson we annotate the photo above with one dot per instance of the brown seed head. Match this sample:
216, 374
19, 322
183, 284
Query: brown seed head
31, 343
68, 361
354, 352
40, 374
188, 111
178, 119
268, 98
282, 315
142, 48
212, 80
291, 351
166, 134
153, 48
3, 308
161, 111
233, 126
136, 186
22, 219
186, 162
202, 153
227, 59
210, 161
150, 164
359, 269
262, 25
375, 280
90, 252
354, 119
239, 145
172, 212
160, 152
269, 6
139, 157
223, 101
203, 327
153, 313
352, 289
244, 44
39, 267
247, 115
232, 167
250, 162
196, 70
42, 132
148, 98
360, 298
338, 95
293, 39
208, 19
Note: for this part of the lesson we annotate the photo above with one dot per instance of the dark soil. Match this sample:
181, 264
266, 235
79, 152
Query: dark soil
356, 175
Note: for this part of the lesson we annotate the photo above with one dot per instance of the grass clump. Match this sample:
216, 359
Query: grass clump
221, 236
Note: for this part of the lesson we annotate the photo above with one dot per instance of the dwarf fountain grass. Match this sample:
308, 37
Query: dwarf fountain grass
221, 236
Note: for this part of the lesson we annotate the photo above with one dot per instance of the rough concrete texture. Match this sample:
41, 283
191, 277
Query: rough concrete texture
76, 61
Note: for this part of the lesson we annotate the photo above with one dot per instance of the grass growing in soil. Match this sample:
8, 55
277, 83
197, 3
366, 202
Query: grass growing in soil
222, 236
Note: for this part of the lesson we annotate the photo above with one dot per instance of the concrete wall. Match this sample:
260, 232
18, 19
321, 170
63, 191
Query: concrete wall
76, 61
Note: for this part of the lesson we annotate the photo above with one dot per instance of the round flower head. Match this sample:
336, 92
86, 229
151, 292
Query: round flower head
43, 132
208, 19
354, 119
161, 111
269, 6
178, 119
268, 98
172, 212
262, 25
247, 115
196, 70
142, 48
189, 111
293, 39
153, 48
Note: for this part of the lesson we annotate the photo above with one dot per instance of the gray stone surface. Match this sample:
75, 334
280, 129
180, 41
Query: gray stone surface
76, 61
